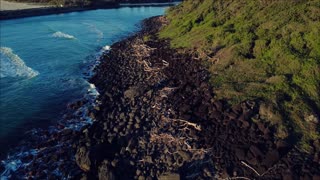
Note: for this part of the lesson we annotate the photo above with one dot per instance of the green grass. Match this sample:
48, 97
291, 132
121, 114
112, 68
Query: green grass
267, 50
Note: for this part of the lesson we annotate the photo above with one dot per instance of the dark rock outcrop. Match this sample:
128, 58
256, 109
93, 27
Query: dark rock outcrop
159, 112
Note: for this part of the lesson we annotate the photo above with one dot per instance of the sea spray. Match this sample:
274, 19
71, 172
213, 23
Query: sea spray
43, 144
90, 71
13, 66
60, 34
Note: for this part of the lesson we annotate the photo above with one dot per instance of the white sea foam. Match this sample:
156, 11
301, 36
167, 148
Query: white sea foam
13, 66
9, 168
93, 90
90, 71
60, 34
81, 118
18, 159
106, 48
13, 163
93, 28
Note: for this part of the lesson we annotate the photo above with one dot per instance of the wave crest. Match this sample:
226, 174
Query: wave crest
93, 28
60, 34
13, 66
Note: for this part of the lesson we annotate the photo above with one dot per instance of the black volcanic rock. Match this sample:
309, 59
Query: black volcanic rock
83, 159
158, 119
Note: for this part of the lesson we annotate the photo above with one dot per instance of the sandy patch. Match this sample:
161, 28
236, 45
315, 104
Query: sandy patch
5, 5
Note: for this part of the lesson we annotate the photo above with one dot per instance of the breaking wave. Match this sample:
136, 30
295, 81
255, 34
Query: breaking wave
60, 34
90, 69
13, 66
21, 160
93, 28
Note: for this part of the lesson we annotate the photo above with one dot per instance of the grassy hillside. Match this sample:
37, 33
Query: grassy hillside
266, 50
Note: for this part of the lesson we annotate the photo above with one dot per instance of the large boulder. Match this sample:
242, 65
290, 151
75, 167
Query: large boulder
132, 92
82, 159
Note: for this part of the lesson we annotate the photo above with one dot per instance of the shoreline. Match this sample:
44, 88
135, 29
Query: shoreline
16, 14
157, 118
32, 12
9, 5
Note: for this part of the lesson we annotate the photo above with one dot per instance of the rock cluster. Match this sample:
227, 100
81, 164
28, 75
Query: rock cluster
158, 119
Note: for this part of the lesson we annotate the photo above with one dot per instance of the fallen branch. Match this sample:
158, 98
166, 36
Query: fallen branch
255, 171
247, 165
186, 123
165, 63
270, 169
166, 138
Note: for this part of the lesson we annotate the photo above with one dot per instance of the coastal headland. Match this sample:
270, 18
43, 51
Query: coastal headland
158, 117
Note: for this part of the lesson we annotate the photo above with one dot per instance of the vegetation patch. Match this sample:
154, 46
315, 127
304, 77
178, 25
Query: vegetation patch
261, 50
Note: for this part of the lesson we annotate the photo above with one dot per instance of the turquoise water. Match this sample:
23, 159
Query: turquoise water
43, 61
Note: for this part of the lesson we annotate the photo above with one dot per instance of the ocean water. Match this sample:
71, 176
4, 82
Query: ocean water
43, 61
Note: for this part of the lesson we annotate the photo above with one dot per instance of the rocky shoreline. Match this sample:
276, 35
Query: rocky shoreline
157, 118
